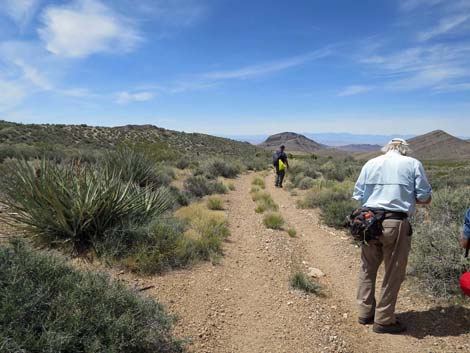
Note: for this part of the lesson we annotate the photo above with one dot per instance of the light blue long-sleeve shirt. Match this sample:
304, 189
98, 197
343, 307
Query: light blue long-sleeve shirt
466, 225
392, 182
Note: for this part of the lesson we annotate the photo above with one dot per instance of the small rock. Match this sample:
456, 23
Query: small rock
345, 315
315, 272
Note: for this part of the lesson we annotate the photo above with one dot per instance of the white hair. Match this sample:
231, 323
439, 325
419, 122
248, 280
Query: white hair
397, 144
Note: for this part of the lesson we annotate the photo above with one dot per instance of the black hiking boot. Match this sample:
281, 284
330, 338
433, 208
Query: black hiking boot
392, 328
366, 320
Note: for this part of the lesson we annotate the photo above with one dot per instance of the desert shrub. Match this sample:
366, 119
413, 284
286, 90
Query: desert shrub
163, 175
200, 186
77, 205
436, 258
183, 163
221, 168
48, 306
207, 231
264, 202
255, 189
231, 186
273, 220
334, 213
256, 163
292, 232
301, 281
181, 197
215, 203
259, 182
306, 183
322, 197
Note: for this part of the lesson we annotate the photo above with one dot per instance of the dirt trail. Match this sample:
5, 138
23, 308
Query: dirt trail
429, 329
244, 304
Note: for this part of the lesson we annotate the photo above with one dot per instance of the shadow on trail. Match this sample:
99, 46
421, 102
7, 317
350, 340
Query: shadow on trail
437, 322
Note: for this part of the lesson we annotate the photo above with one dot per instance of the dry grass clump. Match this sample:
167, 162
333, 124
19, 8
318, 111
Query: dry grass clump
215, 203
258, 181
273, 220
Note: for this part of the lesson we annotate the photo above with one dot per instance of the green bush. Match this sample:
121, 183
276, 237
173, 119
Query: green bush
77, 205
320, 198
264, 202
215, 203
221, 168
292, 232
273, 220
334, 213
306, 183
49, 307
200, 186
436, 258
301, 281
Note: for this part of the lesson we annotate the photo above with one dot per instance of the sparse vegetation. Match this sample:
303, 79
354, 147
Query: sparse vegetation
200, 186
301, 281
259, 182
220, 168
292, 232
273, 220
436, 258
215, 203
306, 183
49, 307
231, 186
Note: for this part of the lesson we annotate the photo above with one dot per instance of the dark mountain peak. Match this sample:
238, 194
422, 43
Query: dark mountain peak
294, 142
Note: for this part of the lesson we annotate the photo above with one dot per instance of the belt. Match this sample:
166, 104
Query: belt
396, 215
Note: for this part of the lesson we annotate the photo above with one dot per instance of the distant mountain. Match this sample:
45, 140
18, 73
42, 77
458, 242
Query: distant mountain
435, 145
359, 148
294, 143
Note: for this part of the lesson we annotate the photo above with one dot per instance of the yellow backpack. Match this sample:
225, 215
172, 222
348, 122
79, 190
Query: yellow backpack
282, 166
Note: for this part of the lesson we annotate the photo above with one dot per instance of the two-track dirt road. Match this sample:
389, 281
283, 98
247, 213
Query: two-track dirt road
244, 304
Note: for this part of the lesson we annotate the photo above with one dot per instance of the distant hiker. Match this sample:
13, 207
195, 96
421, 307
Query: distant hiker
280, 163
389, 185
465, 238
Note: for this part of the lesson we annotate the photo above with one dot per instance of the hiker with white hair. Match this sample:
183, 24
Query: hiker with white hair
389, 187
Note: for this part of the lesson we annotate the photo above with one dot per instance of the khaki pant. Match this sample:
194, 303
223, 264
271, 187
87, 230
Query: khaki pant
392, 247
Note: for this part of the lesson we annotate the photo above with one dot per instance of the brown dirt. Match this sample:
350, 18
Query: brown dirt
244, 304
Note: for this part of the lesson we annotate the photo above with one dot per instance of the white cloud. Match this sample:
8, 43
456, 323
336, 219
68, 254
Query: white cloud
84, 28
266, 68
354, 89
11, 94
33, 75
21, 11
409, 5
127, 97
445, 25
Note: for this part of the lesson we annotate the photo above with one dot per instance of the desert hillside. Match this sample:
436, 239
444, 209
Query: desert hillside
294, 142
434, 146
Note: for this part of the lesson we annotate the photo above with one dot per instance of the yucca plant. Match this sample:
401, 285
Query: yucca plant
131, 165
77, 205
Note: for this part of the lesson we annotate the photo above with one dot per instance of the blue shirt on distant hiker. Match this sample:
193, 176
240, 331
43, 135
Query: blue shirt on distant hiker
393, 182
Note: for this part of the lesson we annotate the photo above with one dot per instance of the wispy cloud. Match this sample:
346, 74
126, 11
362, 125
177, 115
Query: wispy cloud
21, 11
127, 97
354, 89
445, 25
86, 27
265, 68
175, 13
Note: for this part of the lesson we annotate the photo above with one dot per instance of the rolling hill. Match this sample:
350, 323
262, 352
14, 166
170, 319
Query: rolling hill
26, 137
435, 145
294, 143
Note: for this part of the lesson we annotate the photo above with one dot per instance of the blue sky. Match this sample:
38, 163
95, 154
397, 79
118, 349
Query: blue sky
239, 67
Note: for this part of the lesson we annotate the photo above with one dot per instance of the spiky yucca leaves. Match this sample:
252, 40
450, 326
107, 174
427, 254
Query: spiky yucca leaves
76, 205
131, 165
